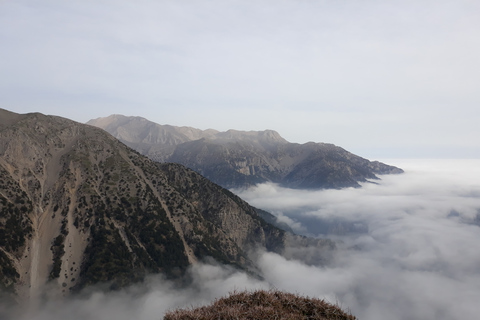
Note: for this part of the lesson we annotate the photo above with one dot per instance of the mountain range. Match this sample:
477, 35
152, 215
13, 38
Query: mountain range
78, 207
239, 159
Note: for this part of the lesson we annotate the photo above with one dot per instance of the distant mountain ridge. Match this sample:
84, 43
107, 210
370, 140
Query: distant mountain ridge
78, 207
237, 159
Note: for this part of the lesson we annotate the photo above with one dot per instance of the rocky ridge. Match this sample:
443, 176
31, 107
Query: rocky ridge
78, 207
238, 159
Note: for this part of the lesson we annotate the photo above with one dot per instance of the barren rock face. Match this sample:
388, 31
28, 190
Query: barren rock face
236, 159
78, 207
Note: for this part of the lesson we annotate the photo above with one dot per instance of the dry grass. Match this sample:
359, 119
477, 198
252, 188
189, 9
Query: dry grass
263, 304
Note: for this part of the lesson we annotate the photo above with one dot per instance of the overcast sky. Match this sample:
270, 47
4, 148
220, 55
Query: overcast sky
379, 78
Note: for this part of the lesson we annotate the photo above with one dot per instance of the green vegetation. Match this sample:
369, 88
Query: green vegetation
157, 234
15, 225
58, 250
128, 206
107, 259
8, 273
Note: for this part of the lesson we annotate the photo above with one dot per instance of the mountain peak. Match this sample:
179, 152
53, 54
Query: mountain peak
237, 159
266, 136
78, 207
8, 118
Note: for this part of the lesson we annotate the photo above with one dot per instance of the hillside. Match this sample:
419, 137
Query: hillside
237, 159
263, 304
78, 207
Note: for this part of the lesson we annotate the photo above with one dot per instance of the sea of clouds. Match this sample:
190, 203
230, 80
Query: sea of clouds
407, 248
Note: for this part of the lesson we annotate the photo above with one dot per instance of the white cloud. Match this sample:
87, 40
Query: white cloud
146, 301
416, 259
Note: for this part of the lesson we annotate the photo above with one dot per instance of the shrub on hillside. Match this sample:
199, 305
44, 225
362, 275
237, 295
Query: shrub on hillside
263, 304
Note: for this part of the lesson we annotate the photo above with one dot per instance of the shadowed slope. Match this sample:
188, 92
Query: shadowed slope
78, 207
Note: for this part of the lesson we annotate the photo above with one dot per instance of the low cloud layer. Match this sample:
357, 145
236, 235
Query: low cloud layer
407, 249
149, 300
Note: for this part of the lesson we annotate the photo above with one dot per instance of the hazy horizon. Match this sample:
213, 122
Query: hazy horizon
380, 79
378, 154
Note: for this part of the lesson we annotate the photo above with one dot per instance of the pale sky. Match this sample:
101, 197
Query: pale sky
378, 78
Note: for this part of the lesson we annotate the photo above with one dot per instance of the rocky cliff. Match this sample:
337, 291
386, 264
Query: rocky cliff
78, 207
236, 159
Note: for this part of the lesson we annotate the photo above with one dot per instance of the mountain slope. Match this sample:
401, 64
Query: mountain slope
78, 207
236, 159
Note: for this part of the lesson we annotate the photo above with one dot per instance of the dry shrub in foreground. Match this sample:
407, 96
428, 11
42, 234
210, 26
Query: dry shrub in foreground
263, 304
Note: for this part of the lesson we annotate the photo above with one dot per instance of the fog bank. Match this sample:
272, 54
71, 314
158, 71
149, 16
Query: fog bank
145, 301
408, 246
407, 249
